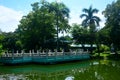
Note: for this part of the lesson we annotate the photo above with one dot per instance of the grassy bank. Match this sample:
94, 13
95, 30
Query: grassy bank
106, 55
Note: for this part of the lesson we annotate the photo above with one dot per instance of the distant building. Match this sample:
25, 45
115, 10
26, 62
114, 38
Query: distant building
84, 46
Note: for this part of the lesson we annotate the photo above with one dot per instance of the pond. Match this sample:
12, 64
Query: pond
82, 70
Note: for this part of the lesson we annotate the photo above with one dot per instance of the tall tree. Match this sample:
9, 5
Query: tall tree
36, 27
103, 36
61, 13
112, 14
39, 26
80, 35
90, 21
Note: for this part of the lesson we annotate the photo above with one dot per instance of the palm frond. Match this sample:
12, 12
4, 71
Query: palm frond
83, 15
85, 23
89, 17
97, 18
95, 11
65, 12
85, 10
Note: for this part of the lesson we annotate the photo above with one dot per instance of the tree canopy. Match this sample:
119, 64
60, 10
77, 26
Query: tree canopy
90, 20
112, 14
39, 29
39, 26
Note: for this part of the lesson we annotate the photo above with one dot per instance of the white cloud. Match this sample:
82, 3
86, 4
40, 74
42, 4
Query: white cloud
9, 19
75, 18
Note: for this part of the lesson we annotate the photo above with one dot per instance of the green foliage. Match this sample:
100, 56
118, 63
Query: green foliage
63, 41
9, 41
61, 15
36, 28
102, 49
1, 46
39, 26
80, 35
103, 36
112, 14
1, 49
90, 20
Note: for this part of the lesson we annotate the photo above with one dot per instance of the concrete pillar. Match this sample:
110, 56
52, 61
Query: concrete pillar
17, 54
22, 52
30, 52
55, 53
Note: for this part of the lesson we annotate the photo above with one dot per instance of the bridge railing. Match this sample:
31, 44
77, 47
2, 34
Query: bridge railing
40, 54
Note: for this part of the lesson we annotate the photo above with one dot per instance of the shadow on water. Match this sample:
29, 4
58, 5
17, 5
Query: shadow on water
44, 68
84, 70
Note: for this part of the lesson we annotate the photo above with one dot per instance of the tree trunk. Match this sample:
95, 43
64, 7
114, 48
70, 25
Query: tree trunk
91, 48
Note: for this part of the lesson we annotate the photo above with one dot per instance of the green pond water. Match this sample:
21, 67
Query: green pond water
82, 70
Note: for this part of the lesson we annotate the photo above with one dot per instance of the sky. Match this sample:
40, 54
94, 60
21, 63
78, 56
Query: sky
11, 11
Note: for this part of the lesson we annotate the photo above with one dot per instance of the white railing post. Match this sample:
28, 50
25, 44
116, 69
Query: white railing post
17, 51
22, 53
55, 54
32, 53
43, 53
63, 53
17, 54
49, 53
46, 54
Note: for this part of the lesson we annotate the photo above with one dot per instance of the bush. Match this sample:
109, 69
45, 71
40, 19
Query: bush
104, 48
1, 50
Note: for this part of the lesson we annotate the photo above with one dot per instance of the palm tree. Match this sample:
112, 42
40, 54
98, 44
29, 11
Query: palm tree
90, 21
64, 27
61, 13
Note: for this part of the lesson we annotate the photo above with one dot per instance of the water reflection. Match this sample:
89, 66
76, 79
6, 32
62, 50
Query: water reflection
12, 77
89, 70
